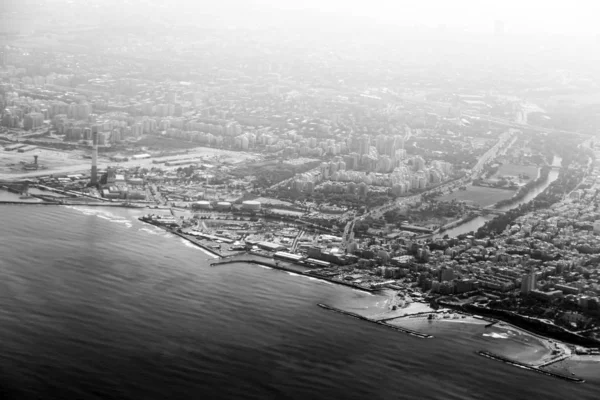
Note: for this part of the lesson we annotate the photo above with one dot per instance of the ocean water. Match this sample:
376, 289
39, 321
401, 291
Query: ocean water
95, 304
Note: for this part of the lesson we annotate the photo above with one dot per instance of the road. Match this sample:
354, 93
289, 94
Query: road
475, 172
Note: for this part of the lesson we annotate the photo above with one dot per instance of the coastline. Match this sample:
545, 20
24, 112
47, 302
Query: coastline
245, 259
408, 310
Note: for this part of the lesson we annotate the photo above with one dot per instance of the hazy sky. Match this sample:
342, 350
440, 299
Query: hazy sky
519, 16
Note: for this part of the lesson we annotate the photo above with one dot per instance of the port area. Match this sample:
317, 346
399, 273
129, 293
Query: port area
382, 323
521, 365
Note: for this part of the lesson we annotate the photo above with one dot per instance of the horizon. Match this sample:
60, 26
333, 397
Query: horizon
520, 18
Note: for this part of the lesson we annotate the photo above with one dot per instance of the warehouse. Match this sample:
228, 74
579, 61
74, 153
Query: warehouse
287, 256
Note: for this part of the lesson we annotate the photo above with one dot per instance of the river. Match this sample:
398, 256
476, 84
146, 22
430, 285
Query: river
474, 224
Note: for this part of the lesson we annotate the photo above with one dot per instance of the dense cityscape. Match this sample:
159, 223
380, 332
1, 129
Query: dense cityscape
452, 194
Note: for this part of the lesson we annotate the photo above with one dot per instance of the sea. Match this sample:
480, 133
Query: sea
95, 304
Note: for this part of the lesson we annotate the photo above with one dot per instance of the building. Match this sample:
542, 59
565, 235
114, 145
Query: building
529, 282
446, 274
251, 205
33, 120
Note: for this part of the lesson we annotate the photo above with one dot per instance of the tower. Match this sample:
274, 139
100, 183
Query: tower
94, 174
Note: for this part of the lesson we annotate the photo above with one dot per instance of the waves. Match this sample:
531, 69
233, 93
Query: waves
190, 245
102, 214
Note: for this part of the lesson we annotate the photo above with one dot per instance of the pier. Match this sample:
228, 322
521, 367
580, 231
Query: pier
396, 328
518, 364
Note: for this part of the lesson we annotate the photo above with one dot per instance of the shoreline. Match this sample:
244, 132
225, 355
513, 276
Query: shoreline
549, 343
519, 321
287, 269
55, 203
521, 365
387, 315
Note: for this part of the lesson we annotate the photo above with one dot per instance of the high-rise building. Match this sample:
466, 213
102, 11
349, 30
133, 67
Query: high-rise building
33, 120
364, 145
529, 282
446, 274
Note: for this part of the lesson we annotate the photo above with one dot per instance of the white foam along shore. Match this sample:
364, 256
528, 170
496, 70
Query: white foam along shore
187, 243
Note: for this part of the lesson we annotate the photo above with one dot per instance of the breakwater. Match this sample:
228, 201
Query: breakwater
518, 364
396, 328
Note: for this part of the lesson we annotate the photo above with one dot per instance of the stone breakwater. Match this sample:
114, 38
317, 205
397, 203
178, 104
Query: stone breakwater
396, 328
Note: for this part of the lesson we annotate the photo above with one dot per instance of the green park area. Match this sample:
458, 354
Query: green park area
526, 172
479, 195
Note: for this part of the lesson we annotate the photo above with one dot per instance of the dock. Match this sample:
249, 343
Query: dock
396, 328
518, 364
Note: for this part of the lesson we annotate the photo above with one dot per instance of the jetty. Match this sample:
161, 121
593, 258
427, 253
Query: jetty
396, 328
521, 365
